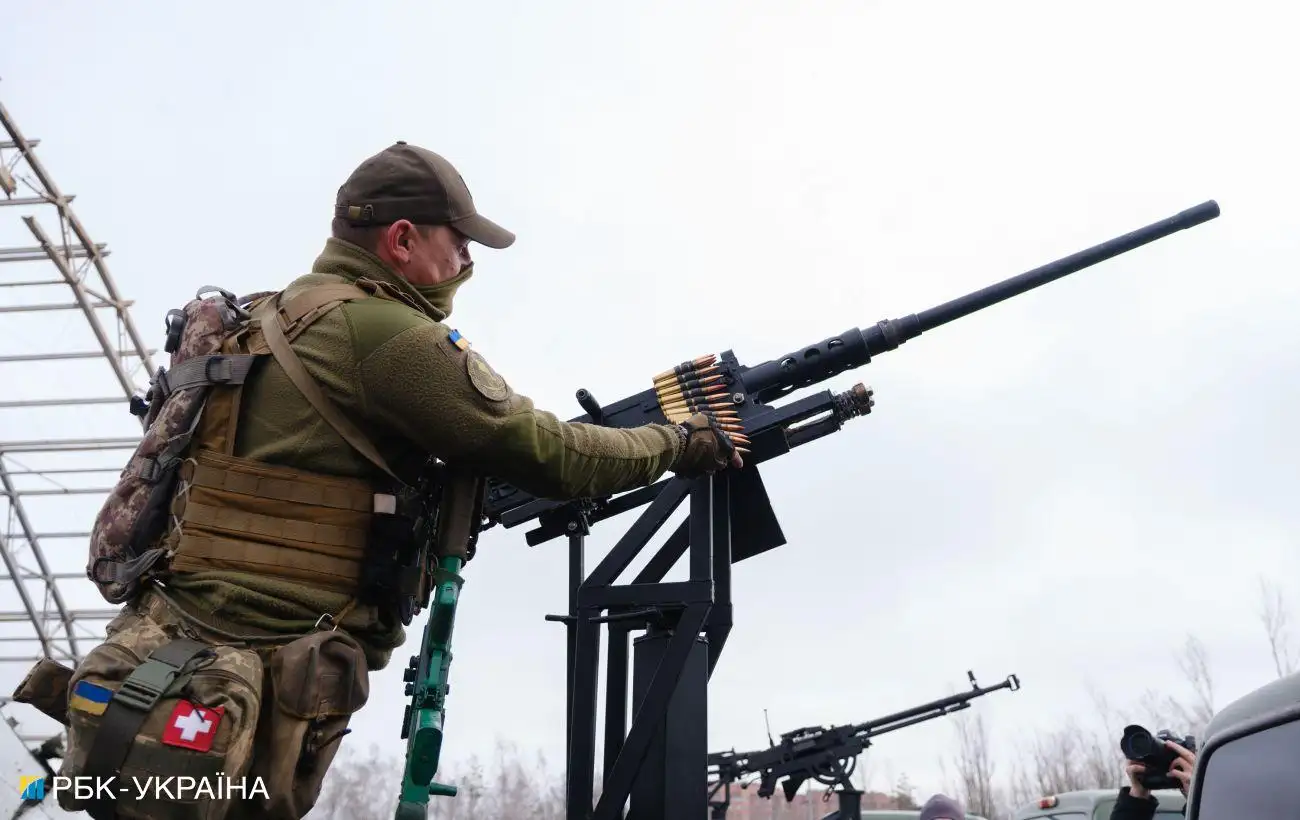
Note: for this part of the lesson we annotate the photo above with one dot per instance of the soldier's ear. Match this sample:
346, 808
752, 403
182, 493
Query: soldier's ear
399, 240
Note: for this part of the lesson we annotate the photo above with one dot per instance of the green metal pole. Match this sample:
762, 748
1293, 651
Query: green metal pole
427, 685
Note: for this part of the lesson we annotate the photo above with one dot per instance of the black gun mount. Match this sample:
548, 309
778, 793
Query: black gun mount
658, 762
827, 755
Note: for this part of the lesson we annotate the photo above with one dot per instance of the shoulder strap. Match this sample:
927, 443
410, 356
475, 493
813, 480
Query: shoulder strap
313, 303
269, 315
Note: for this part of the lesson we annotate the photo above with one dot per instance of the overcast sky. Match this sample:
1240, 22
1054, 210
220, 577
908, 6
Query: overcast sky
1062, 487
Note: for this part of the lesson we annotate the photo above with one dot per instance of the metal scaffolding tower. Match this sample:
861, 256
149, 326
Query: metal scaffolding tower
68, 367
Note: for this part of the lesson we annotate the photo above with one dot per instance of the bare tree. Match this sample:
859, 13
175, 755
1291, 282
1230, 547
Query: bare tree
1183, 715
904, 794
974, 765
367, 787
1277, 627
1069, 758
359, 787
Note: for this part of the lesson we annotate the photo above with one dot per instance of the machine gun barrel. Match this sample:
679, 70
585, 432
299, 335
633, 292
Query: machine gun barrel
1016, 285
745, 394
933, 709
856, 347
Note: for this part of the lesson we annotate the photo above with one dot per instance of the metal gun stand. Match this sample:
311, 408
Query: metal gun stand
659, 762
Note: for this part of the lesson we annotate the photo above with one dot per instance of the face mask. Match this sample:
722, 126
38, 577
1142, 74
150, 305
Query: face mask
442, 294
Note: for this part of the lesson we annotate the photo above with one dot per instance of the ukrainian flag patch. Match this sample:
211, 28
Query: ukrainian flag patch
458, 340
90, 698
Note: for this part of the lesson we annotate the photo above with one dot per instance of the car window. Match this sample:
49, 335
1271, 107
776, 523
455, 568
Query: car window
1107, 805
1253, 776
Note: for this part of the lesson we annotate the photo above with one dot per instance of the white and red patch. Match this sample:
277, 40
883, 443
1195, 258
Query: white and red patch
192, 726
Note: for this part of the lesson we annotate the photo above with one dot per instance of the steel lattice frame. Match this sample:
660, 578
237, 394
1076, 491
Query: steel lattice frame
67, 371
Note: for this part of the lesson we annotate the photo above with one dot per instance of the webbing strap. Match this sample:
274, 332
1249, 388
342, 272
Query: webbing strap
218, 368
328, 567
153, 470
315, 493
245, 522
127, 711
105, 571
268, 313
313, 300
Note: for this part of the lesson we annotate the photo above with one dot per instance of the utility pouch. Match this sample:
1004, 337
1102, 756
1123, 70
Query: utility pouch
318, 683
46, 688
392, 570
162, 725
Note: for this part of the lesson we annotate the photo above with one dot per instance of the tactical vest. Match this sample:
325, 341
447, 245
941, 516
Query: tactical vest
186, 503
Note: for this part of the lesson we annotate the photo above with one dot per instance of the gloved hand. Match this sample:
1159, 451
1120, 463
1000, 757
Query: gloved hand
708, 449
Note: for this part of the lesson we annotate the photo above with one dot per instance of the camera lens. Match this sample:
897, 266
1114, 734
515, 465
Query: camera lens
1137, 743
1142, 745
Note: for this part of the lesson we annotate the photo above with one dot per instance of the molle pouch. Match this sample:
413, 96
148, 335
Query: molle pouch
318, 681
162, 725
46, 688
391, 573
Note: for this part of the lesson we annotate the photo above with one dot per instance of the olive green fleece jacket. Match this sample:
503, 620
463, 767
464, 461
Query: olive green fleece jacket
394, 369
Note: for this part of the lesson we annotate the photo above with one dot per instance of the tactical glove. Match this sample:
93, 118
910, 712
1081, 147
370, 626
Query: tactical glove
707, 448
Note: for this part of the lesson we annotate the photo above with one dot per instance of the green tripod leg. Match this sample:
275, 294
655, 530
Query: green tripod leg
426, 683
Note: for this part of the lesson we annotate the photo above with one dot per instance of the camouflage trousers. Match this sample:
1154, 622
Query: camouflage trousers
260, 723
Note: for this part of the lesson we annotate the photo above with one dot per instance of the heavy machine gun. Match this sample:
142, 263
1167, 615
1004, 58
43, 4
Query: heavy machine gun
658, 761
827, 755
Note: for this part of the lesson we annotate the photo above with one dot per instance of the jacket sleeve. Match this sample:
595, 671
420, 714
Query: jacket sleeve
1128, 807
451, 403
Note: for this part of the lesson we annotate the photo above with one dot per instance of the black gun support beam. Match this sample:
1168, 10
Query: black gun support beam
659, 761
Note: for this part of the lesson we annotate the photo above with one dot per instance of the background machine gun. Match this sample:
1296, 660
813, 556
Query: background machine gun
827, 756
658, 761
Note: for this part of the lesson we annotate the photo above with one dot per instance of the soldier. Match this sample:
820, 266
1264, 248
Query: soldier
259, 596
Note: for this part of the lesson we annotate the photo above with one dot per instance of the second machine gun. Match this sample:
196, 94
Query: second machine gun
827, 755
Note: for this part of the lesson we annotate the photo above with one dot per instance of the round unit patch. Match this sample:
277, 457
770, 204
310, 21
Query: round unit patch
485, 380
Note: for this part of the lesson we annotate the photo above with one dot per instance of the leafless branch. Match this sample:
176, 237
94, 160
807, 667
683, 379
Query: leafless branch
1277, 627
974, 765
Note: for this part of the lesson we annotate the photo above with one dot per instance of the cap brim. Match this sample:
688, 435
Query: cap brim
484, 231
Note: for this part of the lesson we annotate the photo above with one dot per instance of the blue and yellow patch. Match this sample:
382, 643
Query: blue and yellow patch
458, 340
90, 698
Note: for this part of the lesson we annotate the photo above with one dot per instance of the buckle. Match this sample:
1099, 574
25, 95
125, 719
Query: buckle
148, 471
210, 366
143, 688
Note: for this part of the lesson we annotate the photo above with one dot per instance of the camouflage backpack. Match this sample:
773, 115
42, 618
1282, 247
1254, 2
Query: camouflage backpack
123, 541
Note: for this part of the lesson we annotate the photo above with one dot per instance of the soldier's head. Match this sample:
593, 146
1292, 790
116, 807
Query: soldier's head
942, 807
412, 209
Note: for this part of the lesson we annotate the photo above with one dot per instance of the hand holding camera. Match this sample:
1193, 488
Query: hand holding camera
1155, 762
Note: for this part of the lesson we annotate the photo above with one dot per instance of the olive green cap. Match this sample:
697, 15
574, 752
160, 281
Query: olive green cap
408, 182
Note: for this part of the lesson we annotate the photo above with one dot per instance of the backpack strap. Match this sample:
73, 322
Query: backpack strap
217, 368
314, 302
268, 314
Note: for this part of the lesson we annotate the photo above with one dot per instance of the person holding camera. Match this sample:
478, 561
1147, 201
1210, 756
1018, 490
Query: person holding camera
1160, 764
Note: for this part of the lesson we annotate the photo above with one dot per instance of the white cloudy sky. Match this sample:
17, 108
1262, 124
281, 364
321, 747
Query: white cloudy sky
1062, 487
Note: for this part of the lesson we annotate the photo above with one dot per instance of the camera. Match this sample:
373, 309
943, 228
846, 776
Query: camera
1141, 746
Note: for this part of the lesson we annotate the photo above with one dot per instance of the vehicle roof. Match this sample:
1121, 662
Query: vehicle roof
1087, 798
1274, 696
904, 814
897, 814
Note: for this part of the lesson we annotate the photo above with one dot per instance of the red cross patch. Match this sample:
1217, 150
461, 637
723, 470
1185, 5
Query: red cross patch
192, 726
